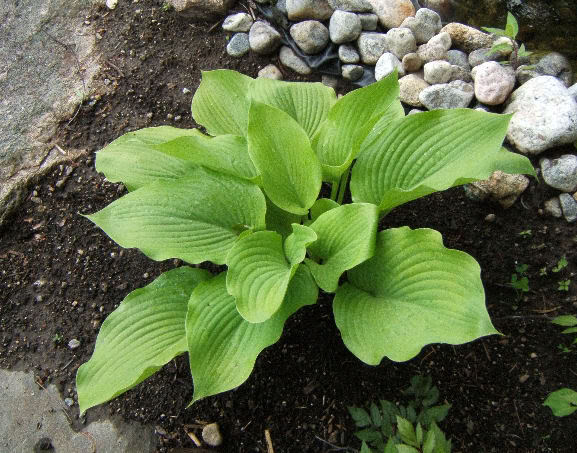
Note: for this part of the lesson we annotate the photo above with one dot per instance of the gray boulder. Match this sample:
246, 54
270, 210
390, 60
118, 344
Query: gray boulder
560, 173
502, 187
482, 55
453, 95
238, 45
344, 27
553, 207
493, 82
401, 41
458, 58
425, 24
412, 62
545, 115
442, 39
371, 46
460, 73
310, 35
263, 38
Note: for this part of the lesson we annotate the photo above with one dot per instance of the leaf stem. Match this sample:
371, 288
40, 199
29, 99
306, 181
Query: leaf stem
343, 185
334, 190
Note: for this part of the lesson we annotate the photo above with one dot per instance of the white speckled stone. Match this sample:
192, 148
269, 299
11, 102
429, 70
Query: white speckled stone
240, 22
263, 38
442, 39
270, 72
438, 71
560, 173
348, 54
352, 72
467, 38
310, 35
371, 46
369, 21
425, 24
238, 45
569, 207
400, 42
429, 52
545, 115
493, 82
387, 63
308, 9
355, 6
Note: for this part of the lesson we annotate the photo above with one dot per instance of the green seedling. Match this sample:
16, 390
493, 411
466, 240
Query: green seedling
57, 338
526, 233
520, 281
543, 271
394, 428
247, 195
515, 51
562, 402
561, 264
563, 285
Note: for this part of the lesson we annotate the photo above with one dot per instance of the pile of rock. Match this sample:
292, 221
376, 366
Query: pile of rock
438, 67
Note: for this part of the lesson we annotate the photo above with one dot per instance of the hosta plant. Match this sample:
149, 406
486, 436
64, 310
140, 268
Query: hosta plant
248, 194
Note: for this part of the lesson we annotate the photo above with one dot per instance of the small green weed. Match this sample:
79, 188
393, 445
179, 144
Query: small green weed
390, 428
563, 285
562, 402
57, 338
511, 30
561, 264
526, 233
520, 281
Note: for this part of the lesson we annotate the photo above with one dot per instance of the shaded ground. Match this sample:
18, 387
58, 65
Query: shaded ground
61, 276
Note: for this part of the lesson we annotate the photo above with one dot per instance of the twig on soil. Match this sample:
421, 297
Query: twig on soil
212, 28
518, 418
269, 448
64, 153
486, 351
66, 366
193, 437
113, 66
336, 447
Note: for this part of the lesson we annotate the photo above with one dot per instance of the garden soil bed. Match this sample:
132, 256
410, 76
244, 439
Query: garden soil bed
61, 276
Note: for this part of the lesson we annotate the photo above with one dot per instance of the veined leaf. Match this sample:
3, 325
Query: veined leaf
421, 154
225, 153
258, 275
196, 218
222, 346
349, 121
321, 206
221, 102
307, 103
279, 220
412, 292
282, 154
144, 333
495, 31
562, 402
512, 27
346, 238
295, 245
135, 160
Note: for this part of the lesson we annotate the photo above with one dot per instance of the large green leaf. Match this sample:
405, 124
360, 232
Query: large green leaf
281, 152
412, 292
350, 120
424, 153
196, 218
258, 275
139, 160
135, 160
279, 220
225, 153
221, 102
307, 103
145, 332
346, 238
222, 346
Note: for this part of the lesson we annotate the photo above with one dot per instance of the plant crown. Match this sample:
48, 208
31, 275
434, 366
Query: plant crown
246, 195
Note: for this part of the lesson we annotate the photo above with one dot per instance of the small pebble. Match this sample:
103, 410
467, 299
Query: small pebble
523, 379
69, 402
74, 343
185, 91
490, 218
211, 435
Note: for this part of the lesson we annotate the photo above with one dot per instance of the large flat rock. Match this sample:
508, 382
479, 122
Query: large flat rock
31, 415
47, 64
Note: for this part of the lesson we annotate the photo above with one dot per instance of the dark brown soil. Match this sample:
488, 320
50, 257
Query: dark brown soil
61, 276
